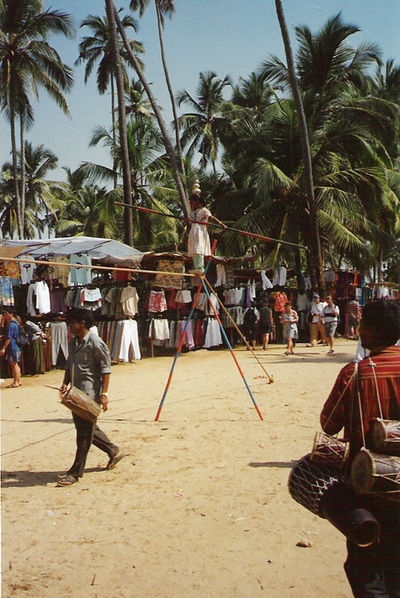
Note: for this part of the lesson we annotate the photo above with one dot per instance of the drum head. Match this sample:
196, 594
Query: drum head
362, 472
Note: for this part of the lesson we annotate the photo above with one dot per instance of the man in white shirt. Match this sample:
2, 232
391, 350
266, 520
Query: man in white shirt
316, 324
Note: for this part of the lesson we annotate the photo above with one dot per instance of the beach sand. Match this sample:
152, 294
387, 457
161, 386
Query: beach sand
198, 507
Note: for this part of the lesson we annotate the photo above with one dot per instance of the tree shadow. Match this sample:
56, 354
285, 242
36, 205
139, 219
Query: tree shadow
279, 464
28, 479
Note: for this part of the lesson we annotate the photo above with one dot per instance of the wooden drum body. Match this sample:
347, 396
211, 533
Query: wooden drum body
81, 404
330, 451
386, 436
376, 473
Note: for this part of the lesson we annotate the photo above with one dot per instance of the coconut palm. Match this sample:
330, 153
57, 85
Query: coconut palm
163, 8
28, 62
42, 195
157, 112
97, 49
203, 127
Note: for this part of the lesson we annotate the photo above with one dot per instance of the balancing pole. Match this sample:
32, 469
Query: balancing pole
183, 337
230, 228
231, 350
270, 378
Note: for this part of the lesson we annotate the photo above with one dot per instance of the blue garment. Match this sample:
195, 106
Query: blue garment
13, 335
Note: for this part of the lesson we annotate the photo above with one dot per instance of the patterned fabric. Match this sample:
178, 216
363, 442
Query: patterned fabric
166, 280
157, 301
6, 291
386, 365
352, 309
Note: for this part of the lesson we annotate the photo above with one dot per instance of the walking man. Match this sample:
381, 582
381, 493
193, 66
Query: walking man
88, 368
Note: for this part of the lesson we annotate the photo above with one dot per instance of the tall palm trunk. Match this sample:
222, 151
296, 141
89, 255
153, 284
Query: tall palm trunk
23, 168
114, 130
15, 173
123, 139
163, 128
305, 144
169, 86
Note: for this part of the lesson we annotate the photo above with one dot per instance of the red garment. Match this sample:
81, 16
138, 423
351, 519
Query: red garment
280, 301
387, 370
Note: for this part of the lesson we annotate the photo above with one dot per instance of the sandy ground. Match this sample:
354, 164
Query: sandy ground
199, 507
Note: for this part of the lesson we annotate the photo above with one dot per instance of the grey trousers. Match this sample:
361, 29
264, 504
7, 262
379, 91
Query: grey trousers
88, 433
59, 340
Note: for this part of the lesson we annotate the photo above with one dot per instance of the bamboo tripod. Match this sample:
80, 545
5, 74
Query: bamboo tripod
179, 350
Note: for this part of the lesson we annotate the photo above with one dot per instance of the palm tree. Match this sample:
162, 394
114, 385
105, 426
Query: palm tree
205, 124
136, 103
116, 59
42, 195
164, 7
97, 49
157, 112
27, 62
305, 144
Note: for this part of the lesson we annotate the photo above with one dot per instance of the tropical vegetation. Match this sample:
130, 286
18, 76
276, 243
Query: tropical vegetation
304, 149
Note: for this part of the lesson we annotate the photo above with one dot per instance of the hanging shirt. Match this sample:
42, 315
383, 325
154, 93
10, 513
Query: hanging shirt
27, 270
129, 301
42, 293
80, 275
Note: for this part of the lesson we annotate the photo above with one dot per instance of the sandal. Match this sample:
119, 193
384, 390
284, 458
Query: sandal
330, 351
114, 460
13, 385
67, 481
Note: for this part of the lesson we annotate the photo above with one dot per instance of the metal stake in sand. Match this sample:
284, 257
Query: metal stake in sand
178, 352
231, 350
270, 378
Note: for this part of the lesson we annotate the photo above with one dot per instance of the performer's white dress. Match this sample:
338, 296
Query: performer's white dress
199, 240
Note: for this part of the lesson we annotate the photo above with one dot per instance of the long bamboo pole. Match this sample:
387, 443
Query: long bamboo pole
220, 226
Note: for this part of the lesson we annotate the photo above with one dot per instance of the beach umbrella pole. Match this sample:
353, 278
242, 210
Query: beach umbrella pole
232, 351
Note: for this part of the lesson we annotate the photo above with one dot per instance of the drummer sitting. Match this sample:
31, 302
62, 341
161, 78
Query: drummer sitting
374, 570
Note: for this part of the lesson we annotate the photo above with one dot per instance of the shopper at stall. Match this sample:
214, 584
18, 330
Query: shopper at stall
353, 313
265, 324
251, 317
37, 340
316, 324
330, 317
289, 319
11, 347
88, 368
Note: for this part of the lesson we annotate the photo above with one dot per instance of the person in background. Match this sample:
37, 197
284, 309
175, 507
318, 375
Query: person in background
289, 319
373, 570
11, 349
251, 317
353, 313
330, 317
316, 324
37, 340
265, 323
88, 368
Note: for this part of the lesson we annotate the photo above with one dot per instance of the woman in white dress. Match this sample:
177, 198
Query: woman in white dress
199, 240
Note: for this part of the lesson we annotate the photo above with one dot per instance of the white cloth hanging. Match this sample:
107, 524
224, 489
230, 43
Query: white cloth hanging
266, 283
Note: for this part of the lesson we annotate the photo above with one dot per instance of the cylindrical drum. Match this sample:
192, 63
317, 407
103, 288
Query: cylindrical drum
372, 472
386, 436
81, 404
323, 491
308, 482
330, 451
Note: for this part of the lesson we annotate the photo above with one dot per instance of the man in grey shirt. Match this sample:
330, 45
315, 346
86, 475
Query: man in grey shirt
88, 368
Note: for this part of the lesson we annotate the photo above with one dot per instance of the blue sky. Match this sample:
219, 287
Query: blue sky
226, 36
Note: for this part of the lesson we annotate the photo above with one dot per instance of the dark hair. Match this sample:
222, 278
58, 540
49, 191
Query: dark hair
384, 317
196, 197
81, 315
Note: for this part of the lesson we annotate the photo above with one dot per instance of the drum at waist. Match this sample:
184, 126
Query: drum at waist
330, 451
376, 473
81, 404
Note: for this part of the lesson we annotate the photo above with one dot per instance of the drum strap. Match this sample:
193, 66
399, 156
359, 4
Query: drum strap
378, 398
353, 377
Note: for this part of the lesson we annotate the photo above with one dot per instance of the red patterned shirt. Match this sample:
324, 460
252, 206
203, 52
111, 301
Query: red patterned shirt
280, 301
386, 363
